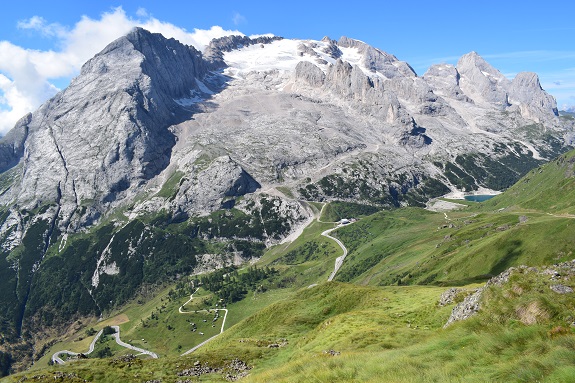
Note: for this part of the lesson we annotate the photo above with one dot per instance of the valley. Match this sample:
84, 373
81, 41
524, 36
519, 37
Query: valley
388, 320
274, 209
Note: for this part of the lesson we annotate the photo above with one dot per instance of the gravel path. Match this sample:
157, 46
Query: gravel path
339, 260
181, 311
56, 358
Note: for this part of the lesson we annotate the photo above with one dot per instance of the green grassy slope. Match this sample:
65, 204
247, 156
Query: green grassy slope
377, 334
531, 223
413, 246
383, 330
549, 188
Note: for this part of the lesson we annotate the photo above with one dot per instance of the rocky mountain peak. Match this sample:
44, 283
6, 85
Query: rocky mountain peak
481, 81
534, 103
472, 61
377, 60
98, 141
527, 80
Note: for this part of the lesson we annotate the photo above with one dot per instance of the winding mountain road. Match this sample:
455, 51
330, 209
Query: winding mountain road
339, 260
181, 311
56, 357
116, 336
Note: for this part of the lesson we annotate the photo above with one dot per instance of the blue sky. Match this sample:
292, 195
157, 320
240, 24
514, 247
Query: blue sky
44, 43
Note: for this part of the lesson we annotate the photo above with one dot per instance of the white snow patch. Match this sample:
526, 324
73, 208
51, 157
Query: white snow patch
264, 35
188, 101
351, 55
282, 55
203, 87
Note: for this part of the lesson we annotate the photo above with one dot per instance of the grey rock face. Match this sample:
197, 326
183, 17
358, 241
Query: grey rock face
466, 309
100, 139
481, 82
534, 102
443, 79
12, 144
332, 49
472, 303
202, 192
310, 74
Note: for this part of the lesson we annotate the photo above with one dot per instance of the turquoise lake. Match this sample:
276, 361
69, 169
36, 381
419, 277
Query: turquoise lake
478, 198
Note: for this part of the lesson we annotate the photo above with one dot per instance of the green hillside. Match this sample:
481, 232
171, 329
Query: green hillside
380, 320
549, 188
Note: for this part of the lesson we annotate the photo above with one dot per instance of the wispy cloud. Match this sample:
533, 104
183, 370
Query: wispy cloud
532, 56
142, 12
238, 19
27, 76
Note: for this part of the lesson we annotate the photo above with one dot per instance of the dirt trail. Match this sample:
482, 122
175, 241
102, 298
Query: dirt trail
181, 311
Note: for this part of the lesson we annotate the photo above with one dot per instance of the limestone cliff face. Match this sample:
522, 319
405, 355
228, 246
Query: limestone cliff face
533, 101
98, 141
444, 81
481, 82
147, 107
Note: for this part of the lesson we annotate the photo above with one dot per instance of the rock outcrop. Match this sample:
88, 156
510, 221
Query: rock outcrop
534, 103
562, 272
202, 192
481, 82
12, 144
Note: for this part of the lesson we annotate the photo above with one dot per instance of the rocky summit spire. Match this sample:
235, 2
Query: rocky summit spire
482, 82
107, 132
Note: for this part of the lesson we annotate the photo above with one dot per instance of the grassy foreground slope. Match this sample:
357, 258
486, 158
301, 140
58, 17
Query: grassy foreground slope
522, 334
374, 334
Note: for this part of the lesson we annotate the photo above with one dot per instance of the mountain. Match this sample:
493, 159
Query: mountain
147, 107
160, 161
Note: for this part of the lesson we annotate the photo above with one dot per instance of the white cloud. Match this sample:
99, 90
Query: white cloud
142, 12
25, 74
39, 24
238, 19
